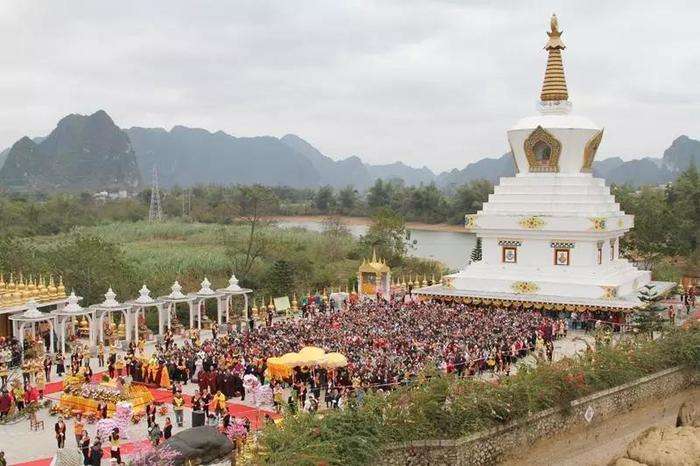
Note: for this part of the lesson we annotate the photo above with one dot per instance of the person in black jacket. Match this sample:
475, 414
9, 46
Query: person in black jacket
96, 453
60, 428
150, 414
167, 429
85, 447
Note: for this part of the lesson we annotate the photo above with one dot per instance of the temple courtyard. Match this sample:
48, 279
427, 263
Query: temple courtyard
29, 448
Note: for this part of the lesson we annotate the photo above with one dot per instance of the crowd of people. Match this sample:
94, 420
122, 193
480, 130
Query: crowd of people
387, 343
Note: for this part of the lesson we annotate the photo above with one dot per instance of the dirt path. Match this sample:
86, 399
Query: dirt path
606, 441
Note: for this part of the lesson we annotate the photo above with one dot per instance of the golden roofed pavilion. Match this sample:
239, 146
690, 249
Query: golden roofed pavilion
374, 277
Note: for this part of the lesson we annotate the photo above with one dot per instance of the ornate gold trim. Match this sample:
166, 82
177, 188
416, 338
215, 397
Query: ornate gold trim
525, 287
609, 292
599, 223
532, 223
540, 134
470, 221
523, 303
590, 150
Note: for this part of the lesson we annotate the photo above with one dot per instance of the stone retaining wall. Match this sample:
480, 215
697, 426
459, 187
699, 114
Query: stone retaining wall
487, 447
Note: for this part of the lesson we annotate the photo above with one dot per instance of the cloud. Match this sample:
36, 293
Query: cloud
432, 83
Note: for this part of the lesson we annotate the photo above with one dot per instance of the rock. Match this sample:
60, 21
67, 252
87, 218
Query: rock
687, 415
200, 444
666, 446
626, 462
69, 457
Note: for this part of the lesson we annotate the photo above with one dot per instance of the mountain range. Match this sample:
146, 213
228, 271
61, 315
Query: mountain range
91, 153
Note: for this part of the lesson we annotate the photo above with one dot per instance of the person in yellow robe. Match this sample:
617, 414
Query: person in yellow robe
119, 365
218, 403
40, 380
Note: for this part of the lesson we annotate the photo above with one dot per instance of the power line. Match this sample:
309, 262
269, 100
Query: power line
155, 213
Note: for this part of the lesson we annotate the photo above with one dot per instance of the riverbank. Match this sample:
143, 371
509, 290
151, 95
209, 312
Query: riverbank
366, 221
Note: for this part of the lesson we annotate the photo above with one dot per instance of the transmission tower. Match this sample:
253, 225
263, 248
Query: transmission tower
155, 213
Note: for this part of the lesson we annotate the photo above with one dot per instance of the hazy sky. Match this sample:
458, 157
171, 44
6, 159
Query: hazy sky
432, 83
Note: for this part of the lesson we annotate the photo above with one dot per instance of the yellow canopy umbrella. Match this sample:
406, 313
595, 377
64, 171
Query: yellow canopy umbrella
291, 359
276, 368
334, 360
311, 355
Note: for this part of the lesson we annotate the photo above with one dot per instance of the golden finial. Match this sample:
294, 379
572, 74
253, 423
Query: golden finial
554, 85
2, 281
374, 255
53, 291
425, 282
30, 284
295, 303
61, 288
43, 289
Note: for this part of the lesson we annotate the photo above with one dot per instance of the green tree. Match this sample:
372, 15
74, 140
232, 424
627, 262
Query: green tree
469, 198
387, 234
427, 204
91, 265
347, 199
325, 199
683, 198
336, 236
281, 278
648, 317
476, 252
252, 204
379, 195
654, 225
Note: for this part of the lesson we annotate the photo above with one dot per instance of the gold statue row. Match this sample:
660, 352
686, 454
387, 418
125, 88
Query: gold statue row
13, 292
402, 283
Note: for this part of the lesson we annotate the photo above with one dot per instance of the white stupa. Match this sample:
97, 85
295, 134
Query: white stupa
550, 235
176, 291
144, 296
110, 299
205, 289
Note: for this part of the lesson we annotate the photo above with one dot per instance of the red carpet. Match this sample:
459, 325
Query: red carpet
126, 449
44, 462
255, 416
236, 409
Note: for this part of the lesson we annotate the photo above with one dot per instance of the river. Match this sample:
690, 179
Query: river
449, 247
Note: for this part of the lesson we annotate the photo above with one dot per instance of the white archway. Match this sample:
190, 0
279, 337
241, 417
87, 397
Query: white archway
106, 308
71, 310
139, 305
32, 316
234, 290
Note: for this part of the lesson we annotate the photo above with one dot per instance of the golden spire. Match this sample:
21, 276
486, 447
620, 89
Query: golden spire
554, 85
